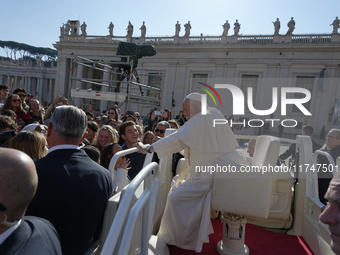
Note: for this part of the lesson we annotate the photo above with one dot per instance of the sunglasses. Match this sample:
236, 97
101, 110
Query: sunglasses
159, 130
16, 100
23, 95
111, 112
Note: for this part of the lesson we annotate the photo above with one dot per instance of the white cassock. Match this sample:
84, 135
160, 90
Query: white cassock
186, 219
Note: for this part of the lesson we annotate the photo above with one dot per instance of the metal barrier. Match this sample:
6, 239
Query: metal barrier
126, 218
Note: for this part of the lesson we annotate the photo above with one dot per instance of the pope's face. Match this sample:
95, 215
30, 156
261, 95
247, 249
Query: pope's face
331, 213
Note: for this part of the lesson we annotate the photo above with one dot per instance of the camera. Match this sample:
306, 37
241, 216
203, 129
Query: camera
159, 113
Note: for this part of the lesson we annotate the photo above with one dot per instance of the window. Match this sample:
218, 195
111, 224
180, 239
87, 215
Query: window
249, 81
155, 80
196, 78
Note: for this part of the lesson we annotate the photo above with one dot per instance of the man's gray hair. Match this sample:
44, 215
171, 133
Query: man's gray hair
69, 121
335, 130
164, 123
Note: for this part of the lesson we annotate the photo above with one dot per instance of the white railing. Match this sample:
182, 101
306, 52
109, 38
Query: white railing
122, 228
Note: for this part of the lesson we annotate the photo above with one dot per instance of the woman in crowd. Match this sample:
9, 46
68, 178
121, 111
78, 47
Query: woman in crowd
10, 114
173, 124
106, 155
13, 102
114, 123
148, 137
113, 114
106, 135
92, 131
36, 111
31, 142
120, 169
140, 131
128, 118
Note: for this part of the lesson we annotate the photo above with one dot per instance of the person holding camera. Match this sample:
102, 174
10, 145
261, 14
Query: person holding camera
59, 100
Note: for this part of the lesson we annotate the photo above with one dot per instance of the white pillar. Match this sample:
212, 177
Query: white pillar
79, 84
29, 85
9, 81
15, 82
50, 87
40, 88
106, 76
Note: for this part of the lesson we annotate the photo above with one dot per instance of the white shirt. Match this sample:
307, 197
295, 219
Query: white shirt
63, 146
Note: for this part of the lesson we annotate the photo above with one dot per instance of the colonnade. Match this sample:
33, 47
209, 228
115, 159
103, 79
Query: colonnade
36, 81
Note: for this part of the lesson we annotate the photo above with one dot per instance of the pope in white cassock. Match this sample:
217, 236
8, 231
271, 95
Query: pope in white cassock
186, 219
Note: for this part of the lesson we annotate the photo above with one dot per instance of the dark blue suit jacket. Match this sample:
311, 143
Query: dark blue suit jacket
72, 194
33, 236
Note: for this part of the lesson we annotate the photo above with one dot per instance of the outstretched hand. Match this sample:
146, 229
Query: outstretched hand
125, 164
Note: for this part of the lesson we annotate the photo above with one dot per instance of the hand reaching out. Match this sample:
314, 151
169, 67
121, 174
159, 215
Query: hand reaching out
125, 164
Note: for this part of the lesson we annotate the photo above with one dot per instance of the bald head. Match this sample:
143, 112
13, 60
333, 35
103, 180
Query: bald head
18, 182
192, 104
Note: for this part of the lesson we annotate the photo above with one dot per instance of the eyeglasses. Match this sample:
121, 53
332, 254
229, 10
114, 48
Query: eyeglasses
159, 130
22, 95
16, 100
111, 112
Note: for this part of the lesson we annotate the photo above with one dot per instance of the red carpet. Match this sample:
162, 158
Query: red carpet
258, 240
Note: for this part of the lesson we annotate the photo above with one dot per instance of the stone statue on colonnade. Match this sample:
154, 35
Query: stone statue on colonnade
111, 26
143, 29
83, 29
336, 25
178, 28
291, 26
226, 27
129, 30
277, 26
187, 29
237, 27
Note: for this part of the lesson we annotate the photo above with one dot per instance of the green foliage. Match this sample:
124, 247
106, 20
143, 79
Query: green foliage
26, 49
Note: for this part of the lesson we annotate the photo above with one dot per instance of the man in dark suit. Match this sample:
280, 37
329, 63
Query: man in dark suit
73, 189
332, 146
19, 234
291, 151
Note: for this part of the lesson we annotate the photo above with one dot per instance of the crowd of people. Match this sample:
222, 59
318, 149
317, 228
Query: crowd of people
72, 148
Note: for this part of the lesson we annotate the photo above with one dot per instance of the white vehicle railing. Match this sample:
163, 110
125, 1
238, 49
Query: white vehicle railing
119, 154
125, 218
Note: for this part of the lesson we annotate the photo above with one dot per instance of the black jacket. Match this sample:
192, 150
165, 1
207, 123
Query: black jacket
34, 236
72, 194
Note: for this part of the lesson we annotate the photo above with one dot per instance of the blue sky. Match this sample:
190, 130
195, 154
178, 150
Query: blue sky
37, 22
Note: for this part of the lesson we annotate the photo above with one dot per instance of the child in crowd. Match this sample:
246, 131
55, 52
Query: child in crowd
120, 169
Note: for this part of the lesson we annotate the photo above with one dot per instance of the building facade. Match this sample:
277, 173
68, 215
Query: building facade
35, 79
268, 64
